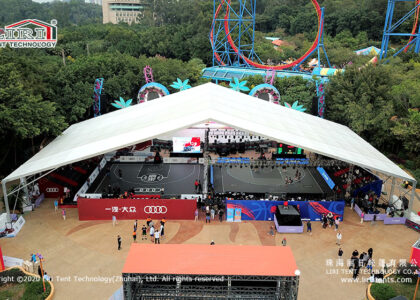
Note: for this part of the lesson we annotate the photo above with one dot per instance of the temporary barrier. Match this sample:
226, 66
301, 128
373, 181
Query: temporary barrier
131, 209
261, 210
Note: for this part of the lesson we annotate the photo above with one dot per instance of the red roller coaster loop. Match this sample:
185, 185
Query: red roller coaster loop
255, 64
414, 29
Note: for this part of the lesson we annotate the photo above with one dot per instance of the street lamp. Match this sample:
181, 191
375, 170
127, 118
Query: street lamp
41, 258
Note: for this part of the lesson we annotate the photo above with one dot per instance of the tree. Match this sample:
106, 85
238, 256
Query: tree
407, 130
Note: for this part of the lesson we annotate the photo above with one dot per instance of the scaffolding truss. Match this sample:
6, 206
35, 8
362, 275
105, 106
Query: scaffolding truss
175, 286
391, 28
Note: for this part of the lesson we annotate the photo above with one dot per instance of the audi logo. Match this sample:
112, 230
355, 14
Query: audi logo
51, 190
155, 209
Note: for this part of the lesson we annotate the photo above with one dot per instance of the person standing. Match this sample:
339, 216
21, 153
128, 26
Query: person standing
207, 216
212, 242
361, 217
221, 215
119, 242
196, 185
337, 222
352, 203
135, 225
196, 215
148, 220
340, 252
157, 237
63, 213
134, 236
284, 242
309, 227
370, 252
373, 220
144, 233
212, 213
55, 205
162, 231
152, 233
339, 237
200, 187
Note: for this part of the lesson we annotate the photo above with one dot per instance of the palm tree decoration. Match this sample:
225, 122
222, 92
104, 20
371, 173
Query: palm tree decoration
239, 86
181, 85
295, 106
122, 103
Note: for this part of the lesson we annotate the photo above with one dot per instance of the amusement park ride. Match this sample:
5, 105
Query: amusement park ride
234, 57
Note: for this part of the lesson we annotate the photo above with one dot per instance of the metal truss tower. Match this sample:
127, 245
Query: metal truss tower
237, 17
392, 28
97, 90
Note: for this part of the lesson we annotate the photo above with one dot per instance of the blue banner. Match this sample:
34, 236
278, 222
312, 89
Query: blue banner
327, 178
260, 210
229, 214
238, 215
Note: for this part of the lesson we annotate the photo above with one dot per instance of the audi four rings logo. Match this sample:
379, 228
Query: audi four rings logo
155, 209
51, 190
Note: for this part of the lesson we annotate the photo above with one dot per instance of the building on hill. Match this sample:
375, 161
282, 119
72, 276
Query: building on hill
127, 11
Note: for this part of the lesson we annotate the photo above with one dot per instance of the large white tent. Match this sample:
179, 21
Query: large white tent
208, 102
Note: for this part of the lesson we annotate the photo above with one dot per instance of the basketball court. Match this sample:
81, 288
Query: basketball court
266, 180
168, 179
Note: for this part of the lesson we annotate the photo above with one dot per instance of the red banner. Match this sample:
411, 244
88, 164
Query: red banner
131, 209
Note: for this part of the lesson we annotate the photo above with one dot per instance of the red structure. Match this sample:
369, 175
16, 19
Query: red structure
166, 271
131, 209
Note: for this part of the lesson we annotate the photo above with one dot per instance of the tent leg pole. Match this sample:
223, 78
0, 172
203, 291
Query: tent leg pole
392, 190
412, 198
6, 201
25, 190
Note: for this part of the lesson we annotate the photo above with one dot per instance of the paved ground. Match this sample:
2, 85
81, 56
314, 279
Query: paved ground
74, 248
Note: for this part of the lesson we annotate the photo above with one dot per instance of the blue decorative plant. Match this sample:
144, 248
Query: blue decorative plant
239, 86
181, 85
295, 106
122, 103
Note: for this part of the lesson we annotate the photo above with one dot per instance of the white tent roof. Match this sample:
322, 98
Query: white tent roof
208, 102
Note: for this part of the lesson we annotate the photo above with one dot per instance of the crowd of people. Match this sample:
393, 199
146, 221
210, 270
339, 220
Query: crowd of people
156, 231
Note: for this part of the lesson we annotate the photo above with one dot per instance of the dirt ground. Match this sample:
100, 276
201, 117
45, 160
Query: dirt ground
78, 255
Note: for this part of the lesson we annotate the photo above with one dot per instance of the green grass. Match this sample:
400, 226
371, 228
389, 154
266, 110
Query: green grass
12, 291
385, 291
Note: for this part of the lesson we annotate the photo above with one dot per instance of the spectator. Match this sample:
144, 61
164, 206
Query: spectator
157, 237
152, 233
352, 203
339, 237
337, 222
309, 227
221, 215
144, 233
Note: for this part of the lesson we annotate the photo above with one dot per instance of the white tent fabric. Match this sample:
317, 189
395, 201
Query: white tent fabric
208, 102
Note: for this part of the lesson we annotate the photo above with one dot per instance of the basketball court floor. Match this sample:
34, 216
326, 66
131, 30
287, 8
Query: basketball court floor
168, 179
266, 180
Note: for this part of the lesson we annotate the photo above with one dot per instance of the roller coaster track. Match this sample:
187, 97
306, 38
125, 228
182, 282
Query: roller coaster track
414, 29
246, 59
